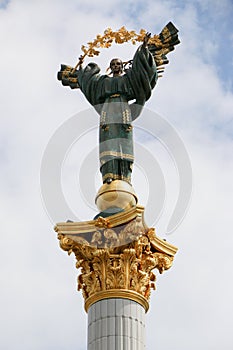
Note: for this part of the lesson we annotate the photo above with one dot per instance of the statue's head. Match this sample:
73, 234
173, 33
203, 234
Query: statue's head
116, 66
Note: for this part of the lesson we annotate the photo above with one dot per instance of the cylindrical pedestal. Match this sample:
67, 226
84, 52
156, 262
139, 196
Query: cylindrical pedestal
116, 324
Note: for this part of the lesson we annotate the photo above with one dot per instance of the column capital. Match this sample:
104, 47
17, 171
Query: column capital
116, 256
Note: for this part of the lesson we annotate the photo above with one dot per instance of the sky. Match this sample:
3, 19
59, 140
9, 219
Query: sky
192, 306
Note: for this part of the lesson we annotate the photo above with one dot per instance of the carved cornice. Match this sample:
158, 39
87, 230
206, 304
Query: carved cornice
90, 226
117, 261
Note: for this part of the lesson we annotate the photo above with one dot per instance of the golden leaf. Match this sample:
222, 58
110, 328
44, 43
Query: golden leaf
119, 36
108, 30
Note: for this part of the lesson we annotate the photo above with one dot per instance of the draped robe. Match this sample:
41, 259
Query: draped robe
110, 97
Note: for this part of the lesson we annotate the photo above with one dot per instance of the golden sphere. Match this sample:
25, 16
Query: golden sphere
118, 194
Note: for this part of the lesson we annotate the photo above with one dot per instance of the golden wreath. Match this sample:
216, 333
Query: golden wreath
109, 37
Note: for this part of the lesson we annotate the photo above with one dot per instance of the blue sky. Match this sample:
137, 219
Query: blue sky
192, 305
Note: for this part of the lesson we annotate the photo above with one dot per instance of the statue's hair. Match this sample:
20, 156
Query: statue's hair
124, 64
114, 59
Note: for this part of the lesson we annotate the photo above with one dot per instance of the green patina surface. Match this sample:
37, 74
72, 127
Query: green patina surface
110, 97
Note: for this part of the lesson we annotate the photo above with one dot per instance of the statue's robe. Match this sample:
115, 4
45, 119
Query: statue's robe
110, 97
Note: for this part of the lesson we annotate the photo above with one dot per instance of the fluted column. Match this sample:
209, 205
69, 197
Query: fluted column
116, 257
116, 324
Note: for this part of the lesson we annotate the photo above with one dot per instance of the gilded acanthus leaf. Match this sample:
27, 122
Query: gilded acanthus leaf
127, 267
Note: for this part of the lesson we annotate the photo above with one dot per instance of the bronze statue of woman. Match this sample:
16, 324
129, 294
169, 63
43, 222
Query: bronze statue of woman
110, 96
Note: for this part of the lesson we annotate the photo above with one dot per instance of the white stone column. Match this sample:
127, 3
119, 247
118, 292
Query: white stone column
116, 324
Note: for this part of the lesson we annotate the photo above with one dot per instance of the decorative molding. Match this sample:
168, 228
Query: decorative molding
90, 226
119, 260
117, 293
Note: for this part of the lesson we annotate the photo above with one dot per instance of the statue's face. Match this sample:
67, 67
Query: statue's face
116, 66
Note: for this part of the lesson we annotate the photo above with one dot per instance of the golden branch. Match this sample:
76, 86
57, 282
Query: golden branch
109, 37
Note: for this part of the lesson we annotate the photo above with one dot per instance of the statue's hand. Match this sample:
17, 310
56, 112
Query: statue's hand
80, 62
67, 77
146, 39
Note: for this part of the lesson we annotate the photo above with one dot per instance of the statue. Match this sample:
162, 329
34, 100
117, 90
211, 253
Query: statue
116, 250
110, 96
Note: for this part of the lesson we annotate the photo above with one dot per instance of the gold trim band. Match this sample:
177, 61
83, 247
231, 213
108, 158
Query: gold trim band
117, 293
115, 95
117, 177
120, 155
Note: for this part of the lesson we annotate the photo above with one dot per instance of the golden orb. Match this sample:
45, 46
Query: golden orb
118, 194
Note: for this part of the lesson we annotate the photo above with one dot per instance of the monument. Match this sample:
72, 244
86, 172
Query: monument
116, 251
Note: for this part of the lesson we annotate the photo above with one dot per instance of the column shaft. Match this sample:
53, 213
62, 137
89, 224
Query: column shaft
116, 324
